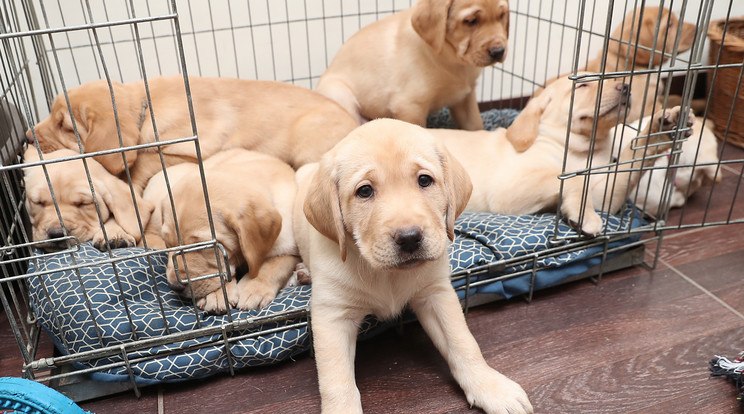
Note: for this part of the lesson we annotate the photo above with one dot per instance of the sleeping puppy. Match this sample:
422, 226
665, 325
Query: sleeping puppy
156, 192
508, 182
419, 60
700, 150
289, 122
80, 211
373, 220
251, 197
645, 40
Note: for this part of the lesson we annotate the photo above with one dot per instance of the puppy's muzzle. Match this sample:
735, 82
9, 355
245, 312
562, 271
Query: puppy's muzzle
58, 239
497, 53
409, 239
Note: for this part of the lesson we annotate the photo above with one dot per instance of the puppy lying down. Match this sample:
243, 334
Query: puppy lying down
289, 122
372, 222
700, 150
251, 197
508, 182
82, 209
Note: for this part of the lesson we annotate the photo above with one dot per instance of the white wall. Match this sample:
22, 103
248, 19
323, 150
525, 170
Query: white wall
293, 40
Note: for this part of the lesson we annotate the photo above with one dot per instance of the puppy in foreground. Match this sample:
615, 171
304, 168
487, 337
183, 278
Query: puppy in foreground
373, 221
417, 61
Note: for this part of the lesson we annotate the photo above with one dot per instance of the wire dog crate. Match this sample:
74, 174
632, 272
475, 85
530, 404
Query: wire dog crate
49, 47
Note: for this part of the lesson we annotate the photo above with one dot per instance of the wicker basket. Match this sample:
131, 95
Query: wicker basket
724, 97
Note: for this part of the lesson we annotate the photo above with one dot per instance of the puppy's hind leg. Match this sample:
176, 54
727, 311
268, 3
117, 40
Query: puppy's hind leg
467, 114
440, 314
338, 91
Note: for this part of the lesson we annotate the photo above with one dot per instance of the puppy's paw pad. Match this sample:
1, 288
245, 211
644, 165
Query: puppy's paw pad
115, 241
302, 273
214, 302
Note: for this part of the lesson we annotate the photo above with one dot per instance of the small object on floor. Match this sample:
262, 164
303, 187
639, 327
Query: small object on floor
722, 366
26, 396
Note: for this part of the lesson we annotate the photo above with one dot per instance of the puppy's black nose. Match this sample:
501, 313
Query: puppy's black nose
409, 239
55, 232
624, 89
497, 53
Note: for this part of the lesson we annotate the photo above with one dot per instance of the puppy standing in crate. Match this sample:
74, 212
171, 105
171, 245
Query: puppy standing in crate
420, 60
372, 222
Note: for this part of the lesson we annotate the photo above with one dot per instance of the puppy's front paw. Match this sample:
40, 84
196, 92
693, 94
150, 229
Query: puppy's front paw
592, 225
214, 302
255, 294
115, 240
668, 120
497, 394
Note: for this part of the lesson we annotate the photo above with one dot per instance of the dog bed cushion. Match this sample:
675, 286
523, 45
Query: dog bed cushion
88, 309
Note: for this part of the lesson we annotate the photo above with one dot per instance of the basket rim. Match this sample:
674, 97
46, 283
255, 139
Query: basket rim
732, 41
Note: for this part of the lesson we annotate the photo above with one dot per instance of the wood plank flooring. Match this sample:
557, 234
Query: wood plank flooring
637, 342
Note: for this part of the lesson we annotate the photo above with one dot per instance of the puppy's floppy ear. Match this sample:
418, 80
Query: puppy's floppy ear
523, 131
322, 206
97, 115
458, 185
257, 224
429, 20
687, 37
118, 198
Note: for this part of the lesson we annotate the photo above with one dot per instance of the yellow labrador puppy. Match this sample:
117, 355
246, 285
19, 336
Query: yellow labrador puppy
251, 197
509, 182
81, 210
373, 220
645, 40
419, 60
289, 122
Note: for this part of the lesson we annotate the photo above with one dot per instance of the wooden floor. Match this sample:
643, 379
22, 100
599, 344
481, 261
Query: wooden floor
637, 342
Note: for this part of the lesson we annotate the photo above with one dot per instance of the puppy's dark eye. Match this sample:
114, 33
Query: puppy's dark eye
365, 191
582, 85
425, 180
471, 22
502, 15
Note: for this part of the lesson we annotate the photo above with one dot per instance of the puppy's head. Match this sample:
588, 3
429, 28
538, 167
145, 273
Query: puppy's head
245, 224
478, 30
91, 113
75, 200
551, 108
647, 34
393, 190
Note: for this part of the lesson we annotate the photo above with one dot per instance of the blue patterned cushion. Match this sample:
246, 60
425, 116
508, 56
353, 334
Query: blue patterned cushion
492, 119
85, 310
